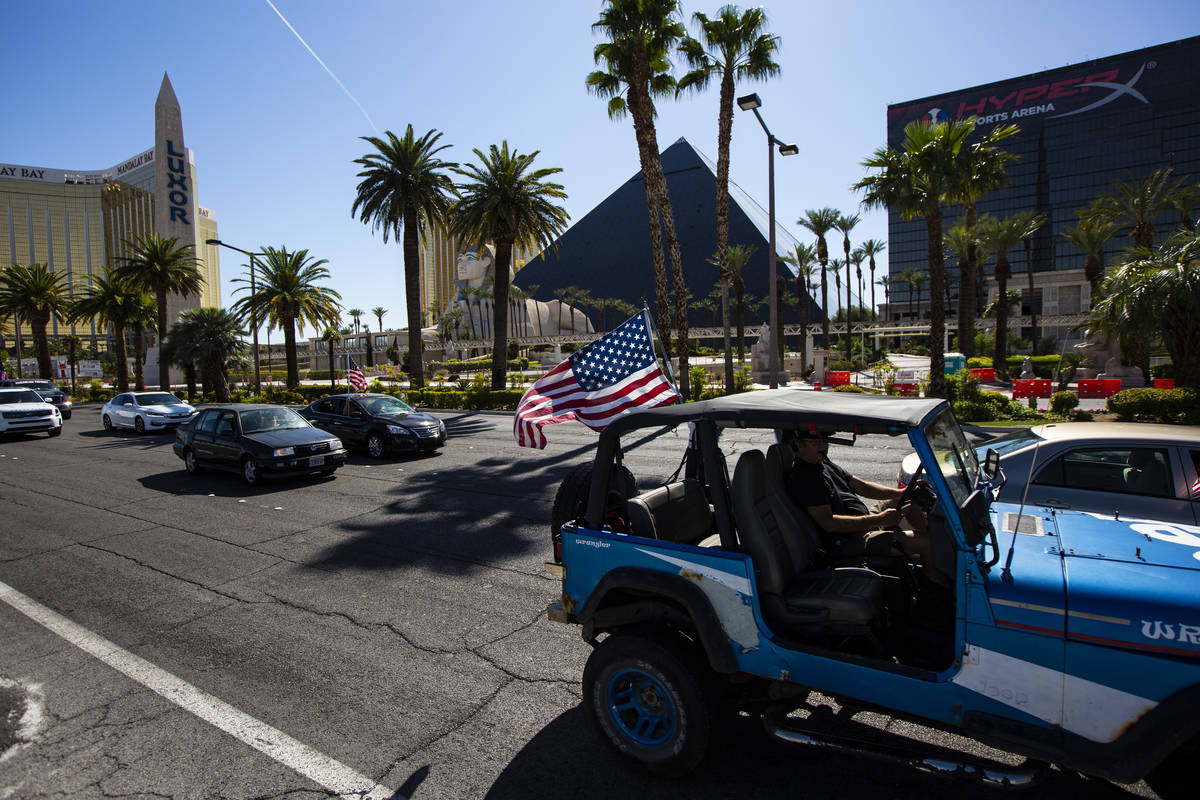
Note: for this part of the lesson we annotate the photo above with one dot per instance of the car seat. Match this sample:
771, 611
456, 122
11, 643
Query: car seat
794, 599
1146, 474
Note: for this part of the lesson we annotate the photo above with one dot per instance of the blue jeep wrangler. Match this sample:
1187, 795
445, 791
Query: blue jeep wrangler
1067, 638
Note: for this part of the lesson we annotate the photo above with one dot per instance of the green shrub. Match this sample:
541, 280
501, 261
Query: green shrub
973, 411
1159, 405
979, 362
851, 388
962, 386
1063, 402
1043, 366
1081, 415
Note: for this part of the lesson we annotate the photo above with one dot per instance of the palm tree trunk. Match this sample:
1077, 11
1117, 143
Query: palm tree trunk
1000, 355
289, 347
41, 345
823, 257
332, 379
220, 382
739, 290
968, 269
937, 301
802, 309
849, 300
724, 136
122, 358
500, 310
139, 349
164, 368
412, 296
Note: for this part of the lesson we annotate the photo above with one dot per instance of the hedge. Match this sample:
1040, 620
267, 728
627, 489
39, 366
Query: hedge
1157, 405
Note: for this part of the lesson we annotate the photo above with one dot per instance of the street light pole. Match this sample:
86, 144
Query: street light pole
253, 315
751, 102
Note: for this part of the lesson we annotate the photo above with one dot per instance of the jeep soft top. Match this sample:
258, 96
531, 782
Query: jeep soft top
711, 590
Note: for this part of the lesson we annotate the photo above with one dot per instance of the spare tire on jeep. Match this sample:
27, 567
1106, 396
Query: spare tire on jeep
571, 500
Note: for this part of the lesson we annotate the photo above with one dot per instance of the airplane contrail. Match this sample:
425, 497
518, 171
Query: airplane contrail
323, 66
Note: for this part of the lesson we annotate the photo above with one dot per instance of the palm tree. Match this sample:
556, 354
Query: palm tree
111, 302
143, 319
997, 237
506, 201
356, 315
963, 242
164, 267
886, 282
739, 256
405, 186
1182, 201
804, 259
207, 338
635, 69
379, 312
981, 169
872, 248
1136, 204
73, 344
330, 337
912, 277
1159, 290
914, 181
37, 293
1091, 237
845, 223
286, 294
820, 222
731, 46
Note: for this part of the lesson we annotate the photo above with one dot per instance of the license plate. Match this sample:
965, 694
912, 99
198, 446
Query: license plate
316, 461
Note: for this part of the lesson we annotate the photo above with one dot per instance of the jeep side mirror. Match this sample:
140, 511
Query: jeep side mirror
991, 465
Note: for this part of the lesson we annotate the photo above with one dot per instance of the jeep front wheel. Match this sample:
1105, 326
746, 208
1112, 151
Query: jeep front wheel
652, 699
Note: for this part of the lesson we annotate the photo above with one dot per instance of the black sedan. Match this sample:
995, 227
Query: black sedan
258, 441
379, 423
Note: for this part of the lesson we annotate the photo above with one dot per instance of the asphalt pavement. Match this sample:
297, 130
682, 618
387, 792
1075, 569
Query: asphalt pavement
379, 633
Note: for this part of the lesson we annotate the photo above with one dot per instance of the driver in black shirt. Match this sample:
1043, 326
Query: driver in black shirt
831, 496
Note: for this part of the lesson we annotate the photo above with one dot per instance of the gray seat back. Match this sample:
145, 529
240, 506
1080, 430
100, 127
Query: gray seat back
677, 512
1146, 474
764, 526
808, 539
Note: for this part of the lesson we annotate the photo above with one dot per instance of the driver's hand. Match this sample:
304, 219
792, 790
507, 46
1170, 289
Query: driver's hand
915, 516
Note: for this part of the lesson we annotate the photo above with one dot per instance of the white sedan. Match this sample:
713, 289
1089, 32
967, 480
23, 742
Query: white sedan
145, 411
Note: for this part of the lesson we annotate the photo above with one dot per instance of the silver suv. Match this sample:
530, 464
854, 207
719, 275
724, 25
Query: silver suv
24, 411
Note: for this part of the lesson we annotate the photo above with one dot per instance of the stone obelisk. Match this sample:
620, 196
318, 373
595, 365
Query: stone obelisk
174, 202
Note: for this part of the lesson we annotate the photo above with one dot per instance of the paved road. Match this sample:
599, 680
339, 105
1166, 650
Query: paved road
379, 633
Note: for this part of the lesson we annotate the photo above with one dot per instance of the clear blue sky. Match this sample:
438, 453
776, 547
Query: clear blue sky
275, 136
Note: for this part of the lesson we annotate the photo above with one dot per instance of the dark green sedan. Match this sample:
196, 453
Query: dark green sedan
378, 423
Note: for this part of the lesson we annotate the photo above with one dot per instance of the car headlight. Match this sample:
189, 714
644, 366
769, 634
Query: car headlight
284, 451
66, 402
399, 429
335, 444
155, 414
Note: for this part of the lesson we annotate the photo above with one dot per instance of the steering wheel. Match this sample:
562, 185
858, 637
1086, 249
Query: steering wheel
907, 494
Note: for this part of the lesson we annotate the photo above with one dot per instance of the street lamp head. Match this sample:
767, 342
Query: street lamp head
213, 241
788, 149
749, 102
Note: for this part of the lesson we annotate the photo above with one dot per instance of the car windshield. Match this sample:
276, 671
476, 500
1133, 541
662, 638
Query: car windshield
260, 420
955, 457
156, 399
381, 406
24, 396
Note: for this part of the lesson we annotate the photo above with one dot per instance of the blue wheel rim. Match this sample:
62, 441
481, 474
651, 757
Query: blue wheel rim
641, 708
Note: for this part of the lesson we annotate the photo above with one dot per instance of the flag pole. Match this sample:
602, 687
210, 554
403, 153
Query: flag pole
666, 355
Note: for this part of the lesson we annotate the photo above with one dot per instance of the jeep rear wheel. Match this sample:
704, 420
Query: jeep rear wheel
651, 697
570, 502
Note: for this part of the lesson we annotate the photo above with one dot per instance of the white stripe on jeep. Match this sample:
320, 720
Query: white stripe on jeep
735, 582
1089, 709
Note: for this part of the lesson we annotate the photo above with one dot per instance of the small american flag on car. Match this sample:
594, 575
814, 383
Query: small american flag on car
612, 376
354, 375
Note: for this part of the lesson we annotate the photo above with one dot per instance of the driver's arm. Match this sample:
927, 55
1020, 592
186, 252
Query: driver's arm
875, 491
845, 523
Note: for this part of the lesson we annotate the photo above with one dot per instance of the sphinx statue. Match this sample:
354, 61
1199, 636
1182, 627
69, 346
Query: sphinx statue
475, 277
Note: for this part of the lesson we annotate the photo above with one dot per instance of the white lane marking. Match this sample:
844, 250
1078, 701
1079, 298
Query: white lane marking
294, 754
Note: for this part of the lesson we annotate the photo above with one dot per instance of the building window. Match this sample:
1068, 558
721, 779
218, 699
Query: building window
320, 346
381, 341
1069, 299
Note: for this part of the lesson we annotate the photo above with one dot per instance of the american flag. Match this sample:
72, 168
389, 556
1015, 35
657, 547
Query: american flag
612, 376
354, 375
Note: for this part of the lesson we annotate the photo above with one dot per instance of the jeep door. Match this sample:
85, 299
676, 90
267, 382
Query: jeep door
1133, 636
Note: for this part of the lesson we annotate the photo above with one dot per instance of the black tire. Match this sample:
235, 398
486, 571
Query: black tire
107, 422
66, 415
250, 471
650, 694
189, 461
376, 445
55, 431
570, 501
139, 425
